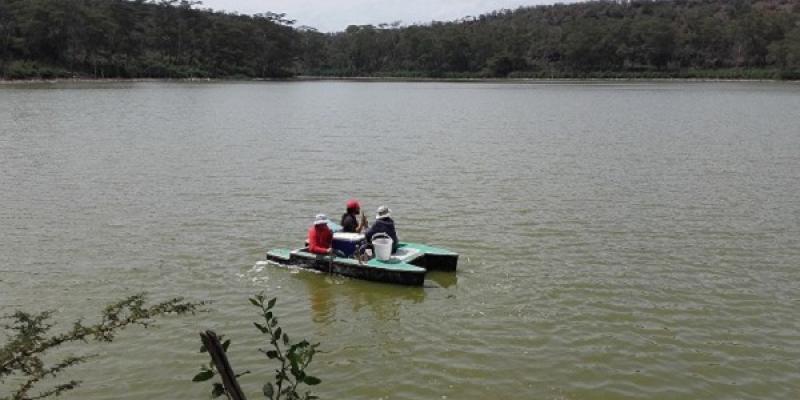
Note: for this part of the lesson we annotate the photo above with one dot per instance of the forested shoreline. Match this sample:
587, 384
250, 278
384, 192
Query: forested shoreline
141, 39
738, 39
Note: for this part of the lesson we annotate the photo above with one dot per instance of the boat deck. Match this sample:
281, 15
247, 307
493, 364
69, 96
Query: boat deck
407, 266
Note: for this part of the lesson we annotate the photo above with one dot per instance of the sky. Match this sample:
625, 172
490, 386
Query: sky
336, 15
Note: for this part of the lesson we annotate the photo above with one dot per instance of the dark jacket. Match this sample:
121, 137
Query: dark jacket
384, 225
349, 223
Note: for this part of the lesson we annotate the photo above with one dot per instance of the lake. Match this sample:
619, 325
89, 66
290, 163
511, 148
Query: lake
617, 240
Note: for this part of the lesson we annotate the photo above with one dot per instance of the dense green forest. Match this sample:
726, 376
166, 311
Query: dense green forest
604, 39
178, 39
128, 39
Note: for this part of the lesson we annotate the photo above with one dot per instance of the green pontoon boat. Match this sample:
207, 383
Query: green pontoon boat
406, 267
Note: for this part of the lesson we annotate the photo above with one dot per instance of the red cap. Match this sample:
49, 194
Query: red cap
353, 204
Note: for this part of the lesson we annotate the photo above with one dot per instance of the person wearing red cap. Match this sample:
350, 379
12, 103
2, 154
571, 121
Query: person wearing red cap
350, 219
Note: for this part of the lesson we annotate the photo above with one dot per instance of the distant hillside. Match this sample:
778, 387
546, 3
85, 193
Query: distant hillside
690, 38
134, 39
173, 38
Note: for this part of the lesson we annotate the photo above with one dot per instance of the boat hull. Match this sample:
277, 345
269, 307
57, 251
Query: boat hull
351, 268
407, 267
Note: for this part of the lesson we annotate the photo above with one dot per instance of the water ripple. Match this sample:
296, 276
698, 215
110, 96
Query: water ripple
618, 240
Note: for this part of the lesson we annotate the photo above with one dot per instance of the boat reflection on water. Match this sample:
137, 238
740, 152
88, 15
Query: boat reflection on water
443, 279
328, 292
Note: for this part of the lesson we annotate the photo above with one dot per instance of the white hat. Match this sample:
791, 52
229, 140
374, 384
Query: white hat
383, 212
320, 219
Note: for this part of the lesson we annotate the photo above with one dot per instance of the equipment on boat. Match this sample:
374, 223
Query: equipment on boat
383, 246
347, 243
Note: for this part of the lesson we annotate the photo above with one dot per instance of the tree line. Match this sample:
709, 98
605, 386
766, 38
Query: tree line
600, 38
623, 38
139, 38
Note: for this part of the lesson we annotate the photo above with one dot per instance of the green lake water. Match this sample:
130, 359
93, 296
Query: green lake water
617, 240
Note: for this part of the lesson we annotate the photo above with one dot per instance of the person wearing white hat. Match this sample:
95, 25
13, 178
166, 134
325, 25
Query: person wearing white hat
320, 236
384, 224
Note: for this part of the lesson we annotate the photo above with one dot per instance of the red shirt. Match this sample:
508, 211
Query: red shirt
320, 238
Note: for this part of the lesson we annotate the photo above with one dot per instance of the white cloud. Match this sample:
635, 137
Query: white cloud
327, 15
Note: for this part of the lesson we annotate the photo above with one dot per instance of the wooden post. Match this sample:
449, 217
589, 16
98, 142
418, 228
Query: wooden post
211, 341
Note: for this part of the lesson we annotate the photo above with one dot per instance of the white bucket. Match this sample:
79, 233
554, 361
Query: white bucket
383, 247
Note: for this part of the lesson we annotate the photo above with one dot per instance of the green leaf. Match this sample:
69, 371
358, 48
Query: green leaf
277, 334
225, 345
293, 361
217, 390
273, 323
203, 348
268, 315
271, 303
269, 391
254, 302
203, 376
272, 354
260, 327
311, 380
285, 339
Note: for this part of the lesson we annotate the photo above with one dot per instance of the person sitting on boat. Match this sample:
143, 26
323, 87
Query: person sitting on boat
351, 221
320, 236
384, 224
